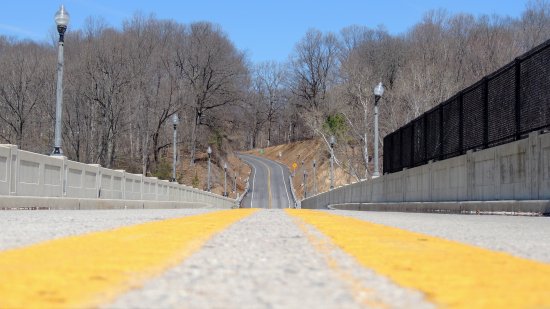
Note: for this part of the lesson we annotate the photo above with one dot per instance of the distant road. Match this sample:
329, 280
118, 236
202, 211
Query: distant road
269, 184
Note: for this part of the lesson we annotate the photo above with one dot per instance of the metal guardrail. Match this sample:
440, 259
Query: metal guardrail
297, 202
245, 192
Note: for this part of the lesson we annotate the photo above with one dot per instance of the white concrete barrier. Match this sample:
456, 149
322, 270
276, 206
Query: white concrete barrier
49, 180
518, 171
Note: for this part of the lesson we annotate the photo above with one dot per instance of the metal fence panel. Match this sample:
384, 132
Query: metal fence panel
535, 92
396, 151
419, 155
407, 146
451, 128
474, 109
502, 107
387, 154
433, 138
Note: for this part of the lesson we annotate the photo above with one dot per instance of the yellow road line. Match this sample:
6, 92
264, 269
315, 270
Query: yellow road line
268, 183
450, 274
92, 269
327, 249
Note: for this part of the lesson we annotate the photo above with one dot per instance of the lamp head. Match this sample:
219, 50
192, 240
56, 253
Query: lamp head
62, 17
175, 119
332, 140
378, 92
209, 150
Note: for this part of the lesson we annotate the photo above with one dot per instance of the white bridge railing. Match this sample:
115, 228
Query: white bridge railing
27, 174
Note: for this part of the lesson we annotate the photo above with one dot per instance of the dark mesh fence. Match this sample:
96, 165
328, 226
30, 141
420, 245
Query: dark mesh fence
396, 151
433, 134
502, 107
419, 148
473, 108
407, 145
451, 137
534, 92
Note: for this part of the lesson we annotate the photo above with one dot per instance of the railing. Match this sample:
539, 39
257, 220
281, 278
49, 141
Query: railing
511, 173
245, 192
502, 107
28, 174
297, 202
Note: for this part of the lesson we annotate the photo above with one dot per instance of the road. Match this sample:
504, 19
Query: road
271, 258
269, 184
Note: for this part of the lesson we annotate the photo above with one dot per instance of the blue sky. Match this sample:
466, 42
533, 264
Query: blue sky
266, 30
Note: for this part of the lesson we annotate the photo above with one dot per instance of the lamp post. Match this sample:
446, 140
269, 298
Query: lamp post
225, 179
378, 92
209, 151
235, 183
61, 20
175, 122
305, 183
314, 177
332, 142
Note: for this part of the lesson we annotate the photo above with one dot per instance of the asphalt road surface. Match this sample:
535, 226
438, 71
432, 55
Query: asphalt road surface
271, 258
269, 184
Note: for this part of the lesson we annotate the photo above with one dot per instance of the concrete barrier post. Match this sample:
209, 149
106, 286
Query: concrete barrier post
65, 174
470, 175
13, 161
97, 169
534, 170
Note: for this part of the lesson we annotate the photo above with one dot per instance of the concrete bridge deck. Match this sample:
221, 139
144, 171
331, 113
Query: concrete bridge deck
271, 258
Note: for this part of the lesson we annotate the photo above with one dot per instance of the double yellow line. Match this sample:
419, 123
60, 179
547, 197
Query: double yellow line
449, 273
268, 183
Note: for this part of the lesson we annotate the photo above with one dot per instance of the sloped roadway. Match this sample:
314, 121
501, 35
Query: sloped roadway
271, 258
269, 184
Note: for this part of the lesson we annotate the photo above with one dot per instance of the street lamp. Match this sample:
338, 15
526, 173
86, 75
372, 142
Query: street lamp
225, 179
235, 183
62, 20
314, 177
305, 183
175, 122
378, 92
209, 151
332, 142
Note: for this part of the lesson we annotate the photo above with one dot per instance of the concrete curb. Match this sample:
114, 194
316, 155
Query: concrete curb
534, 207
35, 203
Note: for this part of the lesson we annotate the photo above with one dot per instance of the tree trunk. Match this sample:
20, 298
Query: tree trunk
144, 160
194, 138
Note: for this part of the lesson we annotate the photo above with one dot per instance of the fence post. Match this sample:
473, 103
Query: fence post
485, 98
441, 128
517, 97
413, 143
460, 123
401, 148
425, 139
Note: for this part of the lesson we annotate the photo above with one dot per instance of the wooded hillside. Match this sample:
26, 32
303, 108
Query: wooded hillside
122, 84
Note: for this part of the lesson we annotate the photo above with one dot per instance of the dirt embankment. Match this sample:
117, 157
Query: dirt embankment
303, 153
196, 175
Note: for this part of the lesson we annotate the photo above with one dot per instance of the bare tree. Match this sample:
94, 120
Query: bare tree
24, 77
268, 82
214, 72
